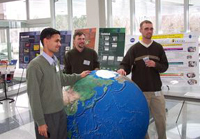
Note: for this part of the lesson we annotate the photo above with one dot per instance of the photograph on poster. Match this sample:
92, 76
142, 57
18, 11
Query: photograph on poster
107, 43
114, 38
107, 38
106, 48
192, 63
26, 50
189, 57
26, 59
36, 47
27, 44
191, 75
114, 45
111, 58
119, 58
105, 58
67, 48
192, 81
191, 49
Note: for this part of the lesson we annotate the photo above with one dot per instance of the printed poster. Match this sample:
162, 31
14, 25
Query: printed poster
29, 47
111, 47
65, 46
183, 56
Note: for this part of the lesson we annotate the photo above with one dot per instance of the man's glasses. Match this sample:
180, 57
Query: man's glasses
147, 29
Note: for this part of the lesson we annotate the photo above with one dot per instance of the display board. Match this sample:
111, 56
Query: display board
90, 36
183, 56
111, 47
29, 47
65, 46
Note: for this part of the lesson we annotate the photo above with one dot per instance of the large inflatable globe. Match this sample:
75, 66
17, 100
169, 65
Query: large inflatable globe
105, 105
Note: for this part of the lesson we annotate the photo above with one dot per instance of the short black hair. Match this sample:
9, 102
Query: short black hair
78, 33
47, 33
145, 21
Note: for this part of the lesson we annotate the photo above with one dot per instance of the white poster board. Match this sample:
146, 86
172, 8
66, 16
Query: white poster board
183, 56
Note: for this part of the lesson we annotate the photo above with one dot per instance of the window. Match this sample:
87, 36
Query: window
61, 15
172, 16
39, 9
194, 15
13, 10
79, 14
121, 14
14, 39
3, 45
144, 10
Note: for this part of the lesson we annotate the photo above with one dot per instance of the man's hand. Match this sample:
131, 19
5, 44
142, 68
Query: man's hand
150, 63
122, 72
85, 73
43, 130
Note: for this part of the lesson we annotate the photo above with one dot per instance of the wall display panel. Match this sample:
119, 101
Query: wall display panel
65, 46
90, 36
111, 47
29, 47
182, 54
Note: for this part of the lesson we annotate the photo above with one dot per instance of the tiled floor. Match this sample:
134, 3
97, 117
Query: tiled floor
16, 121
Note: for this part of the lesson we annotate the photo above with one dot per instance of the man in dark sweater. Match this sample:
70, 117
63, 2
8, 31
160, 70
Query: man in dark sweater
44, 88
146, 60
80, 58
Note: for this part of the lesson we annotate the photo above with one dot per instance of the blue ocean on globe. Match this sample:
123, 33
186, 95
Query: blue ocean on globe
106, 105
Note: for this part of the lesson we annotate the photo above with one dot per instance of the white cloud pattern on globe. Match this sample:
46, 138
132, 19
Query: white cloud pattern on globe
106, 74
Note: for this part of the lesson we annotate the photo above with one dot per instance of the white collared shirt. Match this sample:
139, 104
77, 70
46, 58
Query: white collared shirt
52, 61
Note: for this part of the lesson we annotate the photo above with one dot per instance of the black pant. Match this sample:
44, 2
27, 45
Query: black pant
57, 126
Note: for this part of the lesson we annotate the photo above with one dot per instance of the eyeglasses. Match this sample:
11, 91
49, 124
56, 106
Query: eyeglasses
147, 29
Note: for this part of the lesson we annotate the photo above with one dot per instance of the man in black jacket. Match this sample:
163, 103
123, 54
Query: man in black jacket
80, 58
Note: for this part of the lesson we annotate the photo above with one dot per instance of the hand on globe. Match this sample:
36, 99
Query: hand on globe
85, 73
122, 72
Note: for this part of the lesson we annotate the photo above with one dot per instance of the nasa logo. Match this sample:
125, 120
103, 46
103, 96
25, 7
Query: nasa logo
132, 40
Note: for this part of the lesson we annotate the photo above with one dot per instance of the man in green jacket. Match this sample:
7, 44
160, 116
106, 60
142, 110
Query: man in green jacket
44, 88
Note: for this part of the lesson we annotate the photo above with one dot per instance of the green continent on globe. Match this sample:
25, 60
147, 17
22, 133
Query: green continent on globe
82, 91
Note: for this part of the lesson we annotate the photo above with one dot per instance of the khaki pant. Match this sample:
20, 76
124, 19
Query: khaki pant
156, 103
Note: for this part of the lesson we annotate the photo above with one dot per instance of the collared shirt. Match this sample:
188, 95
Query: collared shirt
146, 45
52, 61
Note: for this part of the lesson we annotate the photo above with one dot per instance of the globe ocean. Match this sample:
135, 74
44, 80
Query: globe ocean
105, 105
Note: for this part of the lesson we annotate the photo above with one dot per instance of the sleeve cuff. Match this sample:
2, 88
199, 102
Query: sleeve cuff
40, 122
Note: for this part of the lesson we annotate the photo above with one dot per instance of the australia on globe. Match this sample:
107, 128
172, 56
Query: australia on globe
106, 105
